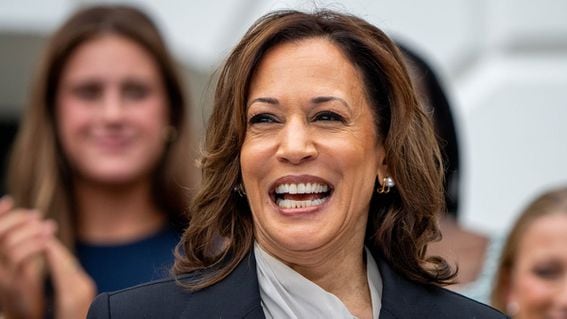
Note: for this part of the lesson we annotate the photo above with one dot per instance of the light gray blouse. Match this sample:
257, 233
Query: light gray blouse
287, 294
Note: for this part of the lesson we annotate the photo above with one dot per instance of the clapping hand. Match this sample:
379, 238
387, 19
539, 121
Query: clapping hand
28, 248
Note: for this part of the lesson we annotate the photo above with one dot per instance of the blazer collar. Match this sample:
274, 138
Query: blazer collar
402, 298
237, 296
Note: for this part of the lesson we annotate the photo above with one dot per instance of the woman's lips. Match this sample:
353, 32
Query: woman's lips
112, 143
300, 193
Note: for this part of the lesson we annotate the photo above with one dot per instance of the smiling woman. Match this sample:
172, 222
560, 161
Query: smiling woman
111, 110
319, 131
322, 184
99, 173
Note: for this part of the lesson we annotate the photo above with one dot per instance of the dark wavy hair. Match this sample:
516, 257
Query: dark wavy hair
400, 224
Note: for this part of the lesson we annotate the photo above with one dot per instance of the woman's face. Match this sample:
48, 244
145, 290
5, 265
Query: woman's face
538, 285
310, 155
112, 111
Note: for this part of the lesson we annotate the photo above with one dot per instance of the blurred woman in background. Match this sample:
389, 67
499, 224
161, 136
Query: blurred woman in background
100, 171
531, 281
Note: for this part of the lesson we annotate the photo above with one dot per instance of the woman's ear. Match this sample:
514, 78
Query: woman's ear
382, 173
509, 297
382, 166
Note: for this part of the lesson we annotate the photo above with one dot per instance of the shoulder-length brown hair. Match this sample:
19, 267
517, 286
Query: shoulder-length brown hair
401, 223
551, 202
39, 175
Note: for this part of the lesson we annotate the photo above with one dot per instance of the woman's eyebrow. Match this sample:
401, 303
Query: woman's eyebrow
315, 100
267, 100
325, 99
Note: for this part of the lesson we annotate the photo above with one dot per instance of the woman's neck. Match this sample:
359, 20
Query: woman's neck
116, 213
345, 276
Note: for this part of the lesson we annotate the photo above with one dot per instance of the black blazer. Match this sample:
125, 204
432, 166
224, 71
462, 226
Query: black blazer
238, 296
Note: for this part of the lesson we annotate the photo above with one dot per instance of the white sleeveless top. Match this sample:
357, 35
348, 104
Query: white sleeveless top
287, 294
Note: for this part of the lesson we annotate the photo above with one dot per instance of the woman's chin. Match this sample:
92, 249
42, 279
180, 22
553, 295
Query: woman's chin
299, 239
113, 177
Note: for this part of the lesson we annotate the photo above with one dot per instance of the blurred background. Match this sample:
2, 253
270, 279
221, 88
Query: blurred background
503, 63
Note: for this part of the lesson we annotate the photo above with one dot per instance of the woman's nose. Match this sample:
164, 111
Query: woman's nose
296, 143
112, 108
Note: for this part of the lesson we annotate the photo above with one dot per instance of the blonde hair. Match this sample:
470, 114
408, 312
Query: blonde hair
548, 203
39, 176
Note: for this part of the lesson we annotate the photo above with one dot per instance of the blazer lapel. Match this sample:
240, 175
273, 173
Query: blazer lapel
237, 296
402, 298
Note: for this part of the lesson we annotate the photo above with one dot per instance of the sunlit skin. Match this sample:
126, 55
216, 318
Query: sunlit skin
309, 121
112, 111
539, 277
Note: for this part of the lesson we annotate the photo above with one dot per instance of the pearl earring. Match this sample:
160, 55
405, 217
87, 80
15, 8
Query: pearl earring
387, 184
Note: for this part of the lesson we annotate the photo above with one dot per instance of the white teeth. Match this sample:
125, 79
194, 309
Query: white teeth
293, 189
289, 203
302, 188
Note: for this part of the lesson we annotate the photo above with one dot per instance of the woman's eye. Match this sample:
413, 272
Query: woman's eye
547, 272
135, 91
263, 118
88, 92
328, 116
